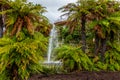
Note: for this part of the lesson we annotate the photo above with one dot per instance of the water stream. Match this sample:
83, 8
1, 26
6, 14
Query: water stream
53, 43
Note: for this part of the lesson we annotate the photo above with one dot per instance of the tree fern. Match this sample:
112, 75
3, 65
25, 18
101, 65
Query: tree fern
22, 14
25, 55
73, 58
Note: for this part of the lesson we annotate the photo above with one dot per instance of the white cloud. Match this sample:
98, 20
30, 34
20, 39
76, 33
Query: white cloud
52, 7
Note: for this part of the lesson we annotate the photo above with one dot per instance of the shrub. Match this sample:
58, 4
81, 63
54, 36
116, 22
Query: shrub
21, 56
112, 58
73, 58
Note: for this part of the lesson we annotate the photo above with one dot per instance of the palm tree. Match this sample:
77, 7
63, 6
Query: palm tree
44, 26
77, 16
105, 17
22, 19
22, 15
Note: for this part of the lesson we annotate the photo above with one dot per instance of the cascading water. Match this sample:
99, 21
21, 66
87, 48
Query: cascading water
53, 43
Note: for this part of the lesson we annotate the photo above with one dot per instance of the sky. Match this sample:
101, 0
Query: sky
52, 7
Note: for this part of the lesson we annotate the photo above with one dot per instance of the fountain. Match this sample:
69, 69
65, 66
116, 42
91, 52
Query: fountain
53, 43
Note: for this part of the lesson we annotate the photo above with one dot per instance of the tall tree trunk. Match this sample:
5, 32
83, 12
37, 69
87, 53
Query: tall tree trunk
97, 45
83, 33
103, 48
1, 23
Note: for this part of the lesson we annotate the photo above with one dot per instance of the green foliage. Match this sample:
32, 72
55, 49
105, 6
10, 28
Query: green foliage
52, 68
19, 58
102, 22
71, 38
98, 64
5, 75
73, 58
111, 60
112, 57
22, 48
22, 14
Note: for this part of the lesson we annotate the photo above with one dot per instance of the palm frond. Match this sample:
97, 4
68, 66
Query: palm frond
29, 25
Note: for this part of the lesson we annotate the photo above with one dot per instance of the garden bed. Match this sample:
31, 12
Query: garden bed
83, 75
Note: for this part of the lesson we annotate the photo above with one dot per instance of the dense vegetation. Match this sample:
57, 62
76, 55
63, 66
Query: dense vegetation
90, 34
23, 44
91, 28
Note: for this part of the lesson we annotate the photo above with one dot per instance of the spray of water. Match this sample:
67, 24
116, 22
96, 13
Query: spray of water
53, 43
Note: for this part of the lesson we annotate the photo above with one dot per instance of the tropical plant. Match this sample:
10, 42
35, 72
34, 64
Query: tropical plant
101, 20
103, 24
21, 15
73, 38
20, 57
73, 58
44, 26
76, 16
22, 47
112, 57
111, 60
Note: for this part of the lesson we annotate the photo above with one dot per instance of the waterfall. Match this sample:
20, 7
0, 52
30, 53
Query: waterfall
53, 43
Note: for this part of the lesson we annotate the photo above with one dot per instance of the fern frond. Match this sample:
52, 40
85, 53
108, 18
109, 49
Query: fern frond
29, 25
